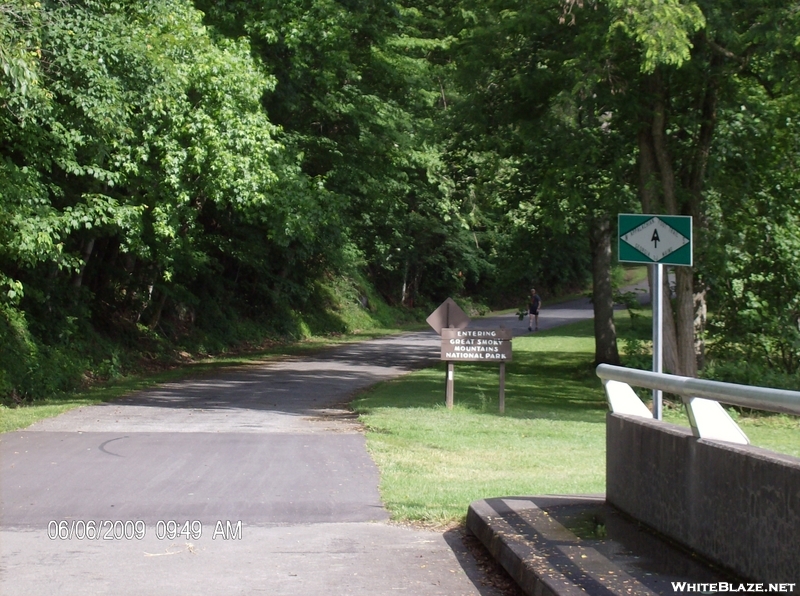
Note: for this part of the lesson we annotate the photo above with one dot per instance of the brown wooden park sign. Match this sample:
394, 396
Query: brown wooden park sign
460, 344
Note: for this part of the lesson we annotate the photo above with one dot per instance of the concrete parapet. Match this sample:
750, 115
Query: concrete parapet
736, 505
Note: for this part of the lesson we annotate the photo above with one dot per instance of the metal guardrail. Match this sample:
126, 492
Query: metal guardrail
702, 398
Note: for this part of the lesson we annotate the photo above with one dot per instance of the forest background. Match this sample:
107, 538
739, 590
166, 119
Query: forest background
183, 178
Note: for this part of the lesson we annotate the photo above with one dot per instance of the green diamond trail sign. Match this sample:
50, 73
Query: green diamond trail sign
658, 240
662, 239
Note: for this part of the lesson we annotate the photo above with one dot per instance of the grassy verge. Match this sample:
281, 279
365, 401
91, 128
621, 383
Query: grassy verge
22, 416
434, 462
551, 439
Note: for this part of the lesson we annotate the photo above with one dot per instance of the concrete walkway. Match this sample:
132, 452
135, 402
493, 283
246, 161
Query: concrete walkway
253, 481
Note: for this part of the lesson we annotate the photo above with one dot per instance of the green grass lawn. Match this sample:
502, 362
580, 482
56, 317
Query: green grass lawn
776, 432
551, 440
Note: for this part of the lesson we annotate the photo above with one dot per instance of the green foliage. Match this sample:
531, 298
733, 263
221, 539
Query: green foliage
362, 92
206, 174
662, 28
30, 369
137, 179
19, 51
743, 372
754, 244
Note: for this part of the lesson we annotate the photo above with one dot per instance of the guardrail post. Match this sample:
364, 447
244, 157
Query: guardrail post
622, 399
709, 420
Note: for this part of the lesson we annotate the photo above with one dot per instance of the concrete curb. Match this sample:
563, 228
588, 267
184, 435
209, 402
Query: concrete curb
514, 548
571, 545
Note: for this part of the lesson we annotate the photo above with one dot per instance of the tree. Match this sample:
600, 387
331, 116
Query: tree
752, 251
680, 110
359, 93
139, 168
544, 100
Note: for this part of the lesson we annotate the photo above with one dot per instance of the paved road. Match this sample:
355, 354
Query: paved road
266, 465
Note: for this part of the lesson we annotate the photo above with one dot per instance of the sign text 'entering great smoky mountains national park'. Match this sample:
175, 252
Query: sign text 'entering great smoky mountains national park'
479, 345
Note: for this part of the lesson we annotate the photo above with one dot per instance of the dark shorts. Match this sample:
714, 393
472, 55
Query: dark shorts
534, 310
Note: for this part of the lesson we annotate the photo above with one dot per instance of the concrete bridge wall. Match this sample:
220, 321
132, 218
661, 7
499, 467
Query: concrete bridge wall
738, 506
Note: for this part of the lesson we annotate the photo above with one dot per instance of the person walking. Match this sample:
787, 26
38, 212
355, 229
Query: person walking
533, 310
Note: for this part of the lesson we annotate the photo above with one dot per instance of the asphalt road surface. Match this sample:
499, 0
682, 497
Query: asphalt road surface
253, 481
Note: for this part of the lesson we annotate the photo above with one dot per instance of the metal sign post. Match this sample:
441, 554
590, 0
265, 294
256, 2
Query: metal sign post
659, 240
657, 300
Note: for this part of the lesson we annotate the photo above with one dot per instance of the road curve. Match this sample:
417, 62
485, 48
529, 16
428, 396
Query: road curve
265, 463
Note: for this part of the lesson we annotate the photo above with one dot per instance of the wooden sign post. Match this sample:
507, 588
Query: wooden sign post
448, 316
502, 387
449, 389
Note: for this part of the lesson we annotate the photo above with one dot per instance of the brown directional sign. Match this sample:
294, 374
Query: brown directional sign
476, 345
449, 314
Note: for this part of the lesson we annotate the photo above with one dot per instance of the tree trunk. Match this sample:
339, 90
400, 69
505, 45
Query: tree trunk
697, 177
86, 254
648, 180
605, 333
156, 318
700, 316
655, 158
684, 314
404, 289
648, 193
684, 287
670, 343
663, 158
